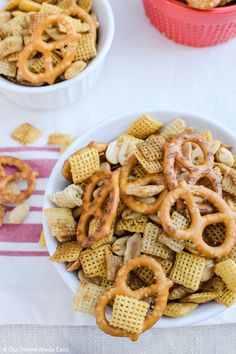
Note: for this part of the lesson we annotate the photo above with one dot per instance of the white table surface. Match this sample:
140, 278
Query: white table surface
143, 70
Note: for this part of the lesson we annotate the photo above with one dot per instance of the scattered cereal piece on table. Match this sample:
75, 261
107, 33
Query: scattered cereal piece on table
26, 134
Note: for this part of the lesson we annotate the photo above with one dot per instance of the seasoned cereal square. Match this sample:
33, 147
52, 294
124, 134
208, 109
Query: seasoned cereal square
86, 297
128, 314
188, 270
94, 261
26, 134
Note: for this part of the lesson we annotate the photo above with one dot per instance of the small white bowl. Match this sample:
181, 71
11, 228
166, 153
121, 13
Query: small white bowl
106, 132
63, 93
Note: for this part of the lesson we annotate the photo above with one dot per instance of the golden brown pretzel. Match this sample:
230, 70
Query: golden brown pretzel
160, 289
46, 48
194, 232
25, 173
93, 207
149, 178
173, 154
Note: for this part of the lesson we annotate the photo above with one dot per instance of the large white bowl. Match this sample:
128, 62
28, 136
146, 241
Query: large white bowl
106, 132
63, 93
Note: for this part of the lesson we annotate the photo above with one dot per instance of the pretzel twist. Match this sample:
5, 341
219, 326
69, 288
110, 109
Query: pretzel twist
51, 73
194, 232
160, 289
173, 155
149, 178
26, 173
93, 207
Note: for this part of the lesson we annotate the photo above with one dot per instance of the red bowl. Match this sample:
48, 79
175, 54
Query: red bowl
191, 27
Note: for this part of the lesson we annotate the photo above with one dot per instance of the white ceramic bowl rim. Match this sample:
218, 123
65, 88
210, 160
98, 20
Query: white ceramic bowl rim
204, 311
10, 86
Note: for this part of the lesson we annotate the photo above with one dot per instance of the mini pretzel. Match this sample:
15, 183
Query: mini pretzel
25, 173
149, 178
173, 155
93, 208
51, 73
160, 289
194, 232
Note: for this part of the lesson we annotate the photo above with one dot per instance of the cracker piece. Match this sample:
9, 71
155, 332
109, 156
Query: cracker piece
151, 245
178, 292
74, 69
15, 27
173, 129
176, 309
70, 197
66, 252
188, 270
86, 297
2, 214
86, 48
227, 271
86, 4
50, 9
179, 222
29, 6
26, 134
152, 149
200, 298
61, 222
7, 68
215, 284
175, 245
128, 314
94, 261
207, 135
107, 284
227, 297
229, 182
84, 164
144, 126
113, 265
58, 139
19, 213
132, 225
42, 241
149, 166
10, 45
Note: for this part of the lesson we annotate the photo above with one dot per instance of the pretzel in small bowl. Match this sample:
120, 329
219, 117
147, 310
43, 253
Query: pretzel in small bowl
198, 223
148, 179
159, 289
46, 48
94, 207
25, 172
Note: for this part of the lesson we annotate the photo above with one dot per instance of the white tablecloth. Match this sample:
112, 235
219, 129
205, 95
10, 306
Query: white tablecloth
143, 70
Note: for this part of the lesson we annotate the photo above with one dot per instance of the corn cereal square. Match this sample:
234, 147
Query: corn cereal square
188, 270
128, 314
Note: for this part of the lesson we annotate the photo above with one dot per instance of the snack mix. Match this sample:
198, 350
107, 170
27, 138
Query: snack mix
148, 222
46, 42
207, 4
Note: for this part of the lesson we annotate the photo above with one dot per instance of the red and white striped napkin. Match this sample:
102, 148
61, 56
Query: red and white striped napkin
31, 290
22, 239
